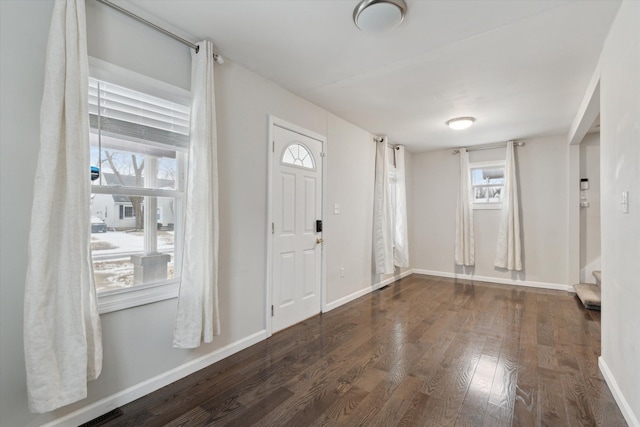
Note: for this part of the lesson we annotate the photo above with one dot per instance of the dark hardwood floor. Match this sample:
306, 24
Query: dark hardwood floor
425, 351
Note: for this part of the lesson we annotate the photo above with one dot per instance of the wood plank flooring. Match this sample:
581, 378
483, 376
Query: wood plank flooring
424, 351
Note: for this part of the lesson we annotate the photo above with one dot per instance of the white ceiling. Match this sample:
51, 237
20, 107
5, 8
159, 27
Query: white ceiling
520, 67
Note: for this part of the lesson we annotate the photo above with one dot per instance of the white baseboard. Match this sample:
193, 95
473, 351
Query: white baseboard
542, 285
132, 393
628, 414
368, 289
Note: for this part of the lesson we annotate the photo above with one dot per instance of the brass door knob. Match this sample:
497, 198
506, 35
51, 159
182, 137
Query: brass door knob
319, 240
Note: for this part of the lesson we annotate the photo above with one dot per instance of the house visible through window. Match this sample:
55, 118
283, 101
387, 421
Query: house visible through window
487, 182
138, 140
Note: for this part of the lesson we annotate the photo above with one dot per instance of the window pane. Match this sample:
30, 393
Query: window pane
487, 194
480, 176
494, 194
298, 155
480, 194
120, 258
129, 167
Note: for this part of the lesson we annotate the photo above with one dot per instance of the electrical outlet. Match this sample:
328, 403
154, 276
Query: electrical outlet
342, 272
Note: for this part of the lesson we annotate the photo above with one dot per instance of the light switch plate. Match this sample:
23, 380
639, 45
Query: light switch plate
336, 208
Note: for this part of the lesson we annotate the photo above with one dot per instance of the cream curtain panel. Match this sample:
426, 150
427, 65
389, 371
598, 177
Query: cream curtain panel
198, 320
62, 336
464, 245
382, 213
400, 234
509, 247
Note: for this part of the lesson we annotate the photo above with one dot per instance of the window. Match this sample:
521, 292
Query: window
139, 135
487, 183
126, 212
298, 155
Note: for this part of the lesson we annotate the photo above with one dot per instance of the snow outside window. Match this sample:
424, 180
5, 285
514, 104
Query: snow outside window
139, 135
487, 184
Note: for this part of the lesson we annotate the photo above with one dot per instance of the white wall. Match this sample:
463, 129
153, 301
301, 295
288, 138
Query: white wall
542, 176
349, 234
620, 163
590, 216
351, 169
138, 341
20, 103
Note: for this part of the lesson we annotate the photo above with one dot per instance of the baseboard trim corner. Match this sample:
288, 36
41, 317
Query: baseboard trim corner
364, 291
627, 413
499, 280
136, 391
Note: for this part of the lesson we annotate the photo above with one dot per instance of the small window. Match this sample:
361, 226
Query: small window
298, 155
127, 212
487, 183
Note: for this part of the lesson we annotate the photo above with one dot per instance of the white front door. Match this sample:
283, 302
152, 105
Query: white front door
297, 243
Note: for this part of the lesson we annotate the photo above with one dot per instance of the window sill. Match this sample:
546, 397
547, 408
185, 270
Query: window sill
486, 206
121, 299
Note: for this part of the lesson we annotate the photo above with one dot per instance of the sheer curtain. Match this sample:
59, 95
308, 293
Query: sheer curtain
509, 248
198, 319
464, 246
62, 336
382, 213
400, 235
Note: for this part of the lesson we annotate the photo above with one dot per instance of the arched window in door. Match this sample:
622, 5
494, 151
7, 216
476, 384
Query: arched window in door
298, 155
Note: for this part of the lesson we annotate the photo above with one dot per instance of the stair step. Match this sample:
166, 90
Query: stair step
589, 294
598, 276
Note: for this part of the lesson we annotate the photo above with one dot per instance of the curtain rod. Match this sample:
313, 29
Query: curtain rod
490, 147
381, 138
218, 58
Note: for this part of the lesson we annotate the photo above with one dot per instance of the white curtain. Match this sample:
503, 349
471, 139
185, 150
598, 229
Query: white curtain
62, 336
400, 235
382, 214
198, 319
509, 249
464, 246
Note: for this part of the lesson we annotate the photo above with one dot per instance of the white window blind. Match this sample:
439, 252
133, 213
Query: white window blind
141, 117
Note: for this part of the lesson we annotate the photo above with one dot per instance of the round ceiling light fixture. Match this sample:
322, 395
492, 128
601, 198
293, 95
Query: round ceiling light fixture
378, 16
460, 123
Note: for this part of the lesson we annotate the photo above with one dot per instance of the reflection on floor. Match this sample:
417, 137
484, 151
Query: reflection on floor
424, 351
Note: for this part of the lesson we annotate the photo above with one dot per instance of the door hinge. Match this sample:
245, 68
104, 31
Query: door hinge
272, 311
273, 228
273, 146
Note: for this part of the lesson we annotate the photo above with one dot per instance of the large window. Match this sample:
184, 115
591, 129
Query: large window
139, 135
487, 183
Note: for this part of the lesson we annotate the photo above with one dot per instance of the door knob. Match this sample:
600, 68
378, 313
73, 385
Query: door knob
319, 240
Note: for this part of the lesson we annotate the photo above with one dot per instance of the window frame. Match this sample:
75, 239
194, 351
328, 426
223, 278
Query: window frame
120, 299
485, 165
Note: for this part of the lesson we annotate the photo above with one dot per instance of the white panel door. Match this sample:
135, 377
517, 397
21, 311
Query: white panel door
297, 247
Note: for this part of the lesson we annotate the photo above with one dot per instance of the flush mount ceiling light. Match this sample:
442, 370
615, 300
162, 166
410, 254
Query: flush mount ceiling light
460, 122
378, 16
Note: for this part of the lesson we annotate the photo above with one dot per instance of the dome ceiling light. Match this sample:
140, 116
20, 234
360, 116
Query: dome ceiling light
379, 16
460, 123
